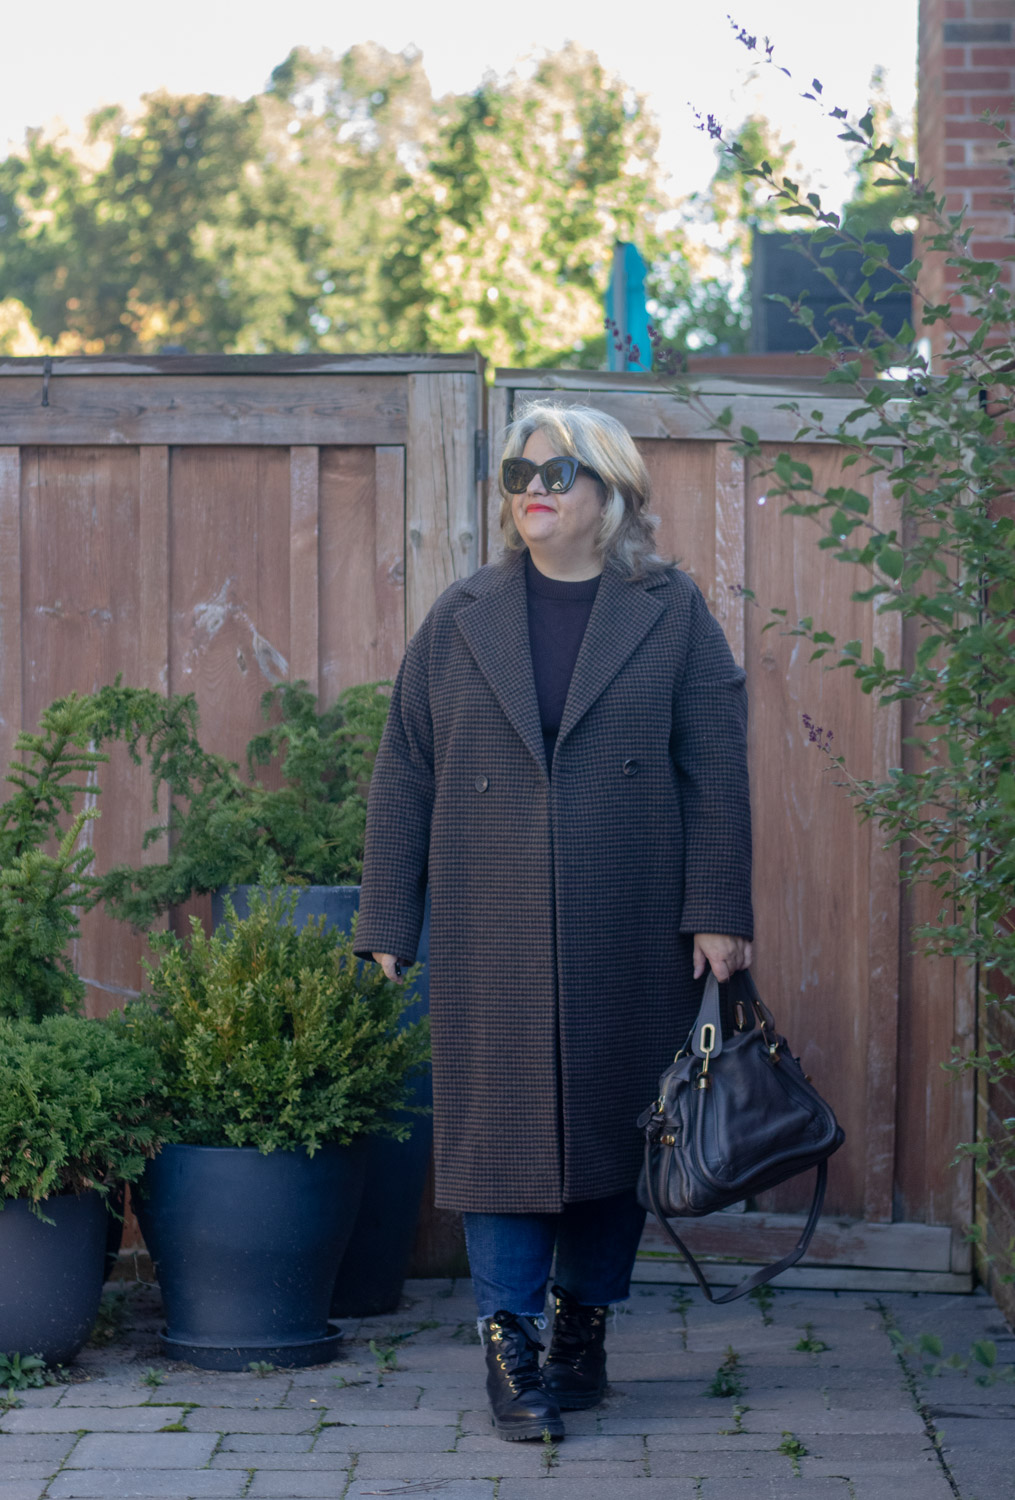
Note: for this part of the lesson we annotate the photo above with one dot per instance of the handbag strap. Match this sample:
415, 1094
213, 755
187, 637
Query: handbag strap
764, 1273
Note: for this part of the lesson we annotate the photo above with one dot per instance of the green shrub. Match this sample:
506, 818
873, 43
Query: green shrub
76, 1106
310, 817
275, 1036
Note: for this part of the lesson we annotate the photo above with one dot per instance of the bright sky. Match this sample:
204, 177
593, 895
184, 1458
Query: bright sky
64, 58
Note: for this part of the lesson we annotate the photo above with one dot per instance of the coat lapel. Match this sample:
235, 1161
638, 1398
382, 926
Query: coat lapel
622, 615
496, 628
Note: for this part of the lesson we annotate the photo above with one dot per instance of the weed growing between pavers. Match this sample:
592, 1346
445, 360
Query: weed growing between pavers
728, 1380
681, 1303
809, 1344
763, 1298
386, 1359
262, 1367
154, 1378
794, 1450
112, 1320
737, 1430
550, 1456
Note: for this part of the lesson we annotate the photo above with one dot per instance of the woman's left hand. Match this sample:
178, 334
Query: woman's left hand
724, 955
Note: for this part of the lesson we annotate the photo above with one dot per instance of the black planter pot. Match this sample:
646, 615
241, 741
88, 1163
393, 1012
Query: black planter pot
51, 1275
245, 1246
370, 1278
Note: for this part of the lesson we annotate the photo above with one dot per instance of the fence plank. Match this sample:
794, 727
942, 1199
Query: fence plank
304, 568
653, 414
442, 541
885, 916
11, 701
248, 410
153, 573
389, 557
730, 563
852, 1242
499, 414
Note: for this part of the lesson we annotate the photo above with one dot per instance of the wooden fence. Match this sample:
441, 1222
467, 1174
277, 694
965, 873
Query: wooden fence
216, 525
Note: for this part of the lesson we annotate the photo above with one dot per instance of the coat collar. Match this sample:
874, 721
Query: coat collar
496, 628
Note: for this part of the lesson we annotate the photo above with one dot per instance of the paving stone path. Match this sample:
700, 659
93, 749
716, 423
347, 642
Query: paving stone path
846, 1416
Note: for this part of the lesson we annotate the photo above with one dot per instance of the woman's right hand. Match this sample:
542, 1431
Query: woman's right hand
387, 962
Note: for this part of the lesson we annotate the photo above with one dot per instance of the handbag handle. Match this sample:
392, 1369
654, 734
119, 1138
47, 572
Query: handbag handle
764, 1273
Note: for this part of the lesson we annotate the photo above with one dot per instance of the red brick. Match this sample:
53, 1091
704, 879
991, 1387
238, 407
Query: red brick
999, 10
978, 103
979, 177
955, 57
955, 153
971, 130
993, 57
992, 249
955, 10
956, 105
978, 79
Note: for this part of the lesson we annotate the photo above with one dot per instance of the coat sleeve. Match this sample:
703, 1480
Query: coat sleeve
399, 807
709, 749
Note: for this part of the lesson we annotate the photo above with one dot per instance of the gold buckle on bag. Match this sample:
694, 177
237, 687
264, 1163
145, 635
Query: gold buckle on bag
707, 1044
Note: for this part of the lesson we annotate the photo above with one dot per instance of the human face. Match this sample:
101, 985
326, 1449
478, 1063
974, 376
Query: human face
559, 529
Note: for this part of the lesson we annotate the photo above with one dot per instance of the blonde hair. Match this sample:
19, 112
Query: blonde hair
600, 443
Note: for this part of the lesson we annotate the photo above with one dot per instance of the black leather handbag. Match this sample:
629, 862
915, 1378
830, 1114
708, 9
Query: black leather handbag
734, 1116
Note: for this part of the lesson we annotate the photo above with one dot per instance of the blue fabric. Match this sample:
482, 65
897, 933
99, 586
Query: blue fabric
510, 1255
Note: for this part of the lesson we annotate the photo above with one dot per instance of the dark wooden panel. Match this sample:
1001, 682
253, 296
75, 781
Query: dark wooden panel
811, 853
229, 570
80, 610
248, 409
683, 497
10, 605
362, 605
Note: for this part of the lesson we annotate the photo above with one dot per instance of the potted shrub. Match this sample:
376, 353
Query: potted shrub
307, 813
76, 1113
279, 1054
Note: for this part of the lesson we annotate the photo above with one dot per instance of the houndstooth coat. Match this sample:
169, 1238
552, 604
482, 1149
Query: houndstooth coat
561, 910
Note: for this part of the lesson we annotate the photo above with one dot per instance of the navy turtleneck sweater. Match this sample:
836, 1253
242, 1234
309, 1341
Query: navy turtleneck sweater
558, 614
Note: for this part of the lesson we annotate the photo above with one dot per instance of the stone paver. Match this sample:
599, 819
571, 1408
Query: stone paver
165, 1450
869, 1425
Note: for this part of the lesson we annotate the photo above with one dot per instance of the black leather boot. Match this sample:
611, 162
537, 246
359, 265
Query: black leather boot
575, 1368
520, 1405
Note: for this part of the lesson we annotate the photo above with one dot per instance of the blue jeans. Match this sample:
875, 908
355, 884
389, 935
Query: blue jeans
510, 1255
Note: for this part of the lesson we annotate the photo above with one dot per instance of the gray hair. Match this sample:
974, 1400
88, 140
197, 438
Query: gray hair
600, 443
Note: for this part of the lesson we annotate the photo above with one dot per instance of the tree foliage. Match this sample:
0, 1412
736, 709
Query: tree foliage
223, 825
342, 209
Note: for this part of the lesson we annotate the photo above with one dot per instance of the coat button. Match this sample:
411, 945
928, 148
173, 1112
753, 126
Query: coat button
481, 783
630, 768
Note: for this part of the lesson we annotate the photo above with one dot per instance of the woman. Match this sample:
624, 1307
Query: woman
564, 764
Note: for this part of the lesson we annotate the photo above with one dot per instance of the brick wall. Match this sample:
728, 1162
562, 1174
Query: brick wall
967, 65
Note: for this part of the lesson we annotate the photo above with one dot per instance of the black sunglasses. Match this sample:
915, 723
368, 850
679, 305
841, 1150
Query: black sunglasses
557, 474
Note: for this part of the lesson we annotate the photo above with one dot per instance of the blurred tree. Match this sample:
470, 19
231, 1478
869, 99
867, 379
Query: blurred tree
341, 209
508, 232
872, 207
701, 290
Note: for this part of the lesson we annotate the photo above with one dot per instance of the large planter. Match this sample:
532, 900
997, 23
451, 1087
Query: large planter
51, 1275
245, 1246
372, 1272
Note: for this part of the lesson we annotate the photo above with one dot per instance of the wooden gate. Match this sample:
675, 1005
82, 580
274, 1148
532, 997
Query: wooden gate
219, 524
215, 525
872, 1022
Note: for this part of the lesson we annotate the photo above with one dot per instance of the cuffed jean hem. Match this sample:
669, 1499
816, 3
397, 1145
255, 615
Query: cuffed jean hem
511, 1255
